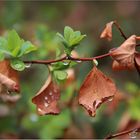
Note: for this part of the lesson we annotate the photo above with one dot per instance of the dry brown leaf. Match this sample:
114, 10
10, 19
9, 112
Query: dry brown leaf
96, 89
46, 99
8, 83
117, 66
10, 75
125, 54
107, 32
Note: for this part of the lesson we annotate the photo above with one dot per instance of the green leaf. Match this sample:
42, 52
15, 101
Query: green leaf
26, 47
68, 31
60, 36
17, 64
60, 75
14, 42
76, 40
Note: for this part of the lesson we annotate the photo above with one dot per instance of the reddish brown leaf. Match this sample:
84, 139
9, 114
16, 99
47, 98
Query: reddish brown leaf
117, 66
11, 74
96, 89
124, 54
46, 99
107, 32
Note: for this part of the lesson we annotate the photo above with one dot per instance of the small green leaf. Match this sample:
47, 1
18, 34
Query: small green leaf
61, 36
14, 42
76, 40
60, 75
68, 31
26, 47
17, 64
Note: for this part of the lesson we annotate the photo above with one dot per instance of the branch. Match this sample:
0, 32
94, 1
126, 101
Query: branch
66, 58
119, 28
123, 133
121, 31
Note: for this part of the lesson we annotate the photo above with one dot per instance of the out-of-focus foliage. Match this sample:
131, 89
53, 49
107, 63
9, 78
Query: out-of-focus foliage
39, 22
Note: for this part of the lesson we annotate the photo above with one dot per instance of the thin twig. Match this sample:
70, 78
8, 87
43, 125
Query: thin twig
45, 61
123, 133
121, 31
66, 58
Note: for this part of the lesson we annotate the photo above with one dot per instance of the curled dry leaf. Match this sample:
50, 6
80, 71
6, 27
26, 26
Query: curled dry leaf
47, 98
96, 89
8, 77
8, 83
107, 32
125, 54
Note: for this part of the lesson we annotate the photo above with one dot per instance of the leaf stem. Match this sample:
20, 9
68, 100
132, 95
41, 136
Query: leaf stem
120, 30
66, 58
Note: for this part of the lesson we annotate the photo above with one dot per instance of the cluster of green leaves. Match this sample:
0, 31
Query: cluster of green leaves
14, 47
70, 39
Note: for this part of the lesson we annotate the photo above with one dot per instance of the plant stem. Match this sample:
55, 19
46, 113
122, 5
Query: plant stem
66, 58
123, 133
119, 28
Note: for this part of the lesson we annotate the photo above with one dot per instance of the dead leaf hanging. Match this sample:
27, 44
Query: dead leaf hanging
8, 83
125, 54
47, 98
96, 89
9, 77
107, 32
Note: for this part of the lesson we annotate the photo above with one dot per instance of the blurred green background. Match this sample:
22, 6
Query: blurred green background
38, 21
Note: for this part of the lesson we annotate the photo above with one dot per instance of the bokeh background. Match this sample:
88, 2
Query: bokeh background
39, 21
